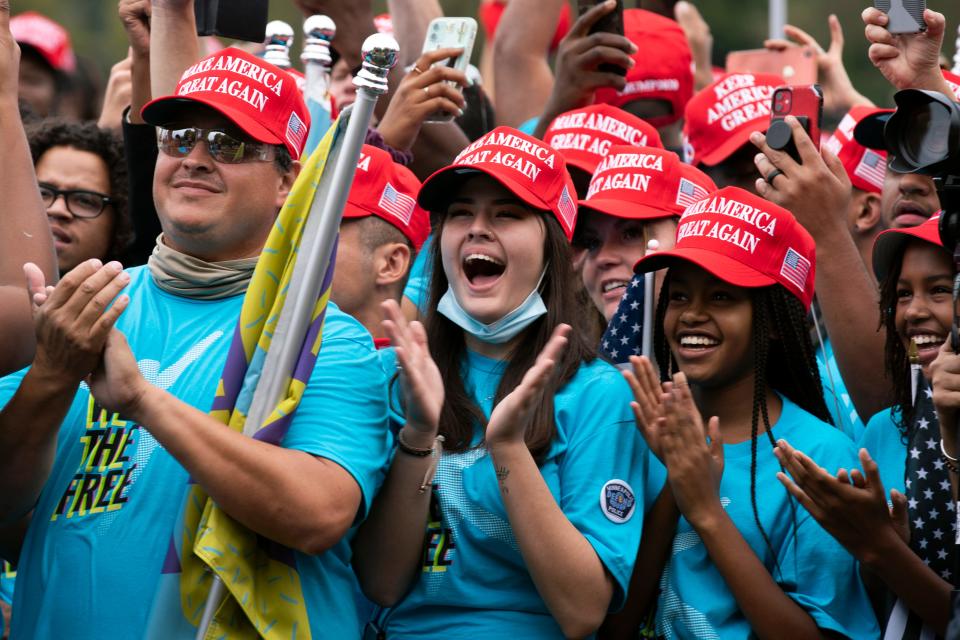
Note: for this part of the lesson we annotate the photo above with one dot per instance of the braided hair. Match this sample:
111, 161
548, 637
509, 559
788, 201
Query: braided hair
784, 360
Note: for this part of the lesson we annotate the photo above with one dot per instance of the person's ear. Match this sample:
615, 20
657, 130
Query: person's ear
867, 213
391, 263
287, 178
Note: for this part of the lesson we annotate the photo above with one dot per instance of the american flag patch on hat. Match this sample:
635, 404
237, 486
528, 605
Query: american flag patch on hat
871, 168
689, 192
567, 208
397, 204
795, 269
296, 132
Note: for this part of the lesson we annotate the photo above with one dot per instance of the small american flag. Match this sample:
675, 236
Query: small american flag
624, 334
568, 209
689, 192
871, 168
795, 269
397, 204
296, 132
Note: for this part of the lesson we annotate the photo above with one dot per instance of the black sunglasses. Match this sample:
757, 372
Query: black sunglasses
80, 202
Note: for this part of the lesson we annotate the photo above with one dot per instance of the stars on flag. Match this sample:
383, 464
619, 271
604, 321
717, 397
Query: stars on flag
625, 330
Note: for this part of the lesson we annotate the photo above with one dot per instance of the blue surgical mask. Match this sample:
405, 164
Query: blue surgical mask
502, 330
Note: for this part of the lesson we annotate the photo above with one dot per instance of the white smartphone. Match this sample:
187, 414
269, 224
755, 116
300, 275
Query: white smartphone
451, 33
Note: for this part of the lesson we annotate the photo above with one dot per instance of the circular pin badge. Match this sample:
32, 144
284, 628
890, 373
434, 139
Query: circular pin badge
617, 501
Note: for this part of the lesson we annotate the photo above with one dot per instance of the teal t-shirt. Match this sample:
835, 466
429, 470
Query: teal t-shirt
809, 565
474, 583
417, 289
835, 394
93, 555
884, 441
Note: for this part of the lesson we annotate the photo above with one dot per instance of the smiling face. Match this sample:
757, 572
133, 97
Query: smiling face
611, 246
212, 210
708, 325
76, 239
924, 310
492, 248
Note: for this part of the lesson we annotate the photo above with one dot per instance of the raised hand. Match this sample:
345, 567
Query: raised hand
700, 40
856, 513
72, 320
648, 401
509, 419
422, 92
945, 380
694, 466
135, 16
117, 383
9, 56
839, 94
910, 60
420, 378
119, 92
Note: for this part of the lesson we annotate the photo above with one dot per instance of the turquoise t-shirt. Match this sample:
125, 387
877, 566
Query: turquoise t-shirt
474, 583
92, 559
808, 564
417, 289
884, 441
835, 394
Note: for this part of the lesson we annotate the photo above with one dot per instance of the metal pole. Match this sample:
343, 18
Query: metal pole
649, 295
776, 17
380, 53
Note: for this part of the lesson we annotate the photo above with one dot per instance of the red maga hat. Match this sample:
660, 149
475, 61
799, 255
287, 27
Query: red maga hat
890, 242
584, 136
385, 189
745, 240
954, 81
721, 117
260, 98
663, 69
642, 183
50, 40
528, 168
865, 167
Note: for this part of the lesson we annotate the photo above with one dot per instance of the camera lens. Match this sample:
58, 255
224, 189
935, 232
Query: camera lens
927, 140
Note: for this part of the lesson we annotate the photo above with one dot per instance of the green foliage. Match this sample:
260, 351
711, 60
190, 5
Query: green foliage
736, 24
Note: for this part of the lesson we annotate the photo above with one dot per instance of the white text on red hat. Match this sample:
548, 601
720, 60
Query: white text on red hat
596, 122
250, 94
727, 232
739, 101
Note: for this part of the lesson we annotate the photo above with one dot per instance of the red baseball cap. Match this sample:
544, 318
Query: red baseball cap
385, 189
664, 65
745, 240
865, 167
528, 168
49, 39
584, 136
890, 243
642, 183
721, 117
260, 98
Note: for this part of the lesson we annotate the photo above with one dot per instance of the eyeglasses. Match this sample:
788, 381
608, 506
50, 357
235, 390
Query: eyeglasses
222, 146
80, 202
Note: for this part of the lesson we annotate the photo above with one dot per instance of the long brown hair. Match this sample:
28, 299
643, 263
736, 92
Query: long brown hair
460, 414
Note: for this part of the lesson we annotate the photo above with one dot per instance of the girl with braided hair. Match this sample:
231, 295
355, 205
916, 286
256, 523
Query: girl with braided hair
907, 548
731, 342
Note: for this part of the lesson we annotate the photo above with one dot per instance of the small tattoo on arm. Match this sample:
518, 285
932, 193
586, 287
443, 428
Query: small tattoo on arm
502, 473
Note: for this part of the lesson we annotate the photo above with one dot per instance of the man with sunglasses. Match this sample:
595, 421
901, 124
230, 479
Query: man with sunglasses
105, 466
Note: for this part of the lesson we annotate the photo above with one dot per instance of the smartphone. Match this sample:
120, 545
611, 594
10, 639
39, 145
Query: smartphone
610, 23
906, 16
805, 103
234, 19
663, 7
796, 65
451, 33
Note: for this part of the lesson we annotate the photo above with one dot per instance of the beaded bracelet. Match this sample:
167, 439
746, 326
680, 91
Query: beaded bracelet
412, 451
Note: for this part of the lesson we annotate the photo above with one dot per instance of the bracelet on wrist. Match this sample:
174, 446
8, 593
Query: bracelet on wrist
434, 452
419, 452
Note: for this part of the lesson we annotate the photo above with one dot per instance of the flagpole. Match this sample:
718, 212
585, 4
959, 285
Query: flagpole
380, 53
649, 294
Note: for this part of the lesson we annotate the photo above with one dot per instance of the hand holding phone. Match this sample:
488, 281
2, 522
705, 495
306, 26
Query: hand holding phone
451, 33
805, 103
610, 23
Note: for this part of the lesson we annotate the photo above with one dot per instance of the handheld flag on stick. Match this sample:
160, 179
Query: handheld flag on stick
233, 584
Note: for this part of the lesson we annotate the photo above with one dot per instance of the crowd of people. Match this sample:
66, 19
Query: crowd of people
495, 437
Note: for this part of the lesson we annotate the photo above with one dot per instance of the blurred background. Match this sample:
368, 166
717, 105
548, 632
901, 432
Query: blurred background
742, 24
